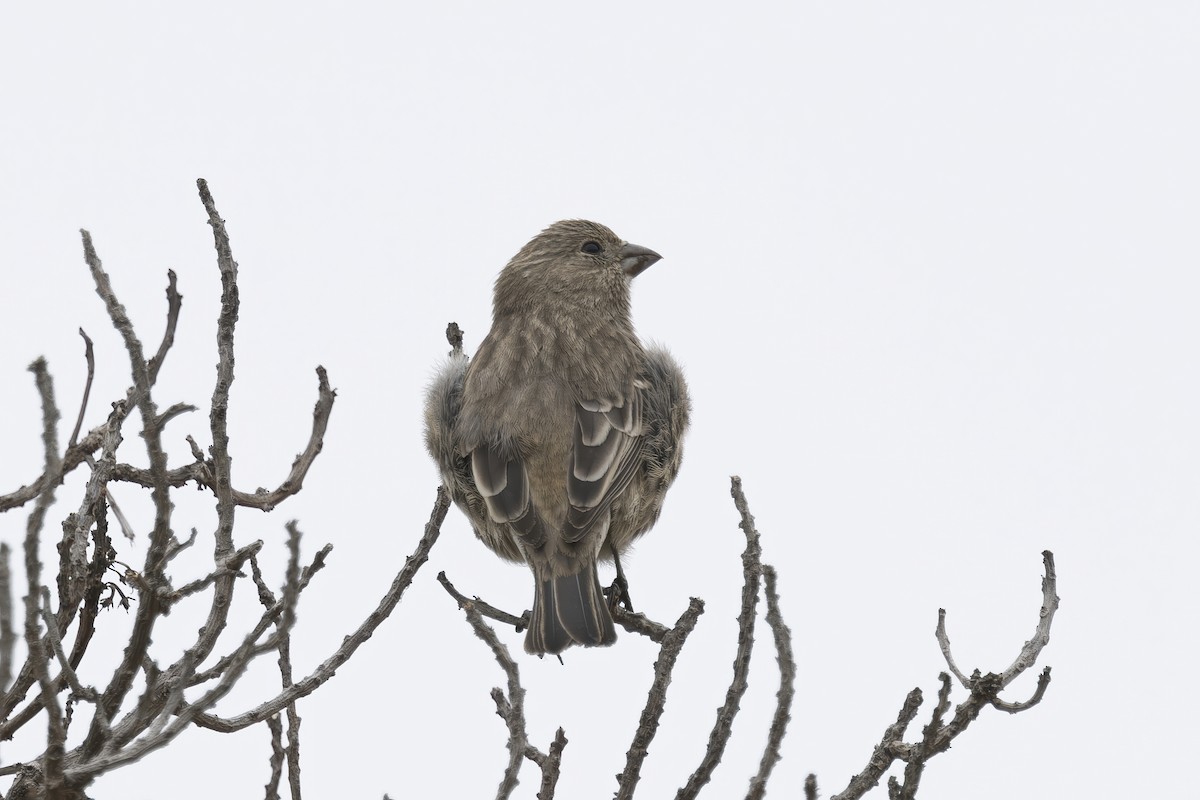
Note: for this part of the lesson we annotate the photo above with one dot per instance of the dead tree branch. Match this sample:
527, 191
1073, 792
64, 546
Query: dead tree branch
511, 708
982, 690
787, 687
723, 727
656, 698
123, 727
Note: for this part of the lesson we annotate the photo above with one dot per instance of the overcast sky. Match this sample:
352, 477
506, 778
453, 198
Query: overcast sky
932, 272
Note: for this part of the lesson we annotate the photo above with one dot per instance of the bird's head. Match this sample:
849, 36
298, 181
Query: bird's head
573, 257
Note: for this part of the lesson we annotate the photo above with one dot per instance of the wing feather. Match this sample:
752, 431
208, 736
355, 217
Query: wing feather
605, 455
504, 485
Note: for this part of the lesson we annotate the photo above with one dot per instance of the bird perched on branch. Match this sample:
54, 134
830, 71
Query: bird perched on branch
559, 439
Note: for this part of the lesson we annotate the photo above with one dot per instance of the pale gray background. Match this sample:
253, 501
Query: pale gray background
931, 269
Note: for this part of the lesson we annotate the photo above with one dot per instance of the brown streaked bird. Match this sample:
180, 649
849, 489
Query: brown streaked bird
559, 439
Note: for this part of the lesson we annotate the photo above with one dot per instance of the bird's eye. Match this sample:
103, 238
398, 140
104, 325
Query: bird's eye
591, 248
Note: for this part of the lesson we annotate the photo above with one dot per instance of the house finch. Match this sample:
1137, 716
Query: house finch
560, 438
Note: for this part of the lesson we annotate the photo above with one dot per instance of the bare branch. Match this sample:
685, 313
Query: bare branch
510, 709
161, 735
639, 623
122, 521
884, 753
178, 547
723, 727
1041, 637
218, 424
8, 637
291, 595
983, 689
173, 412
920, 754
74, 457
89, 356
174, 302
329, 666
160, 713
943, 639
277, 756
56, 735
550, 765
230, 568
454, 335
202, 474
148, 609
519, 623
294, 482
787, 688
656, 698
80, 691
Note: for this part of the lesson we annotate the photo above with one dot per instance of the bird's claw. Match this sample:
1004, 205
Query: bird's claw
618, 594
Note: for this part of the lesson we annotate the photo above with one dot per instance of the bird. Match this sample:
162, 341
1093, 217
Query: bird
559, 439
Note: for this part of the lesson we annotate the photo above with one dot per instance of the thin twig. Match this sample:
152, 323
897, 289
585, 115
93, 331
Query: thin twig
519, 623
56, 735
943, 639
656, 698
1015, 708
174, 302
230, 568
89, 356
1041, 637
884, 752
921, 754
751, 575
984, 690
202, 473
171, 413
291, 595
511, 708
329, 666
68, 672
8, 637
277, 756
148, 610
74, 457
218, 424
161, 735
787, 688
551, 766
639, 623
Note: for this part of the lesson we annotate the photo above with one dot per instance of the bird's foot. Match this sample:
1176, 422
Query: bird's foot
618, 594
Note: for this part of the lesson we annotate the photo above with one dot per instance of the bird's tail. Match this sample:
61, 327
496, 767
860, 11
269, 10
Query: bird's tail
569, 609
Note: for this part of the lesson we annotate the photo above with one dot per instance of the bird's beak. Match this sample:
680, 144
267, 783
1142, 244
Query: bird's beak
635, 259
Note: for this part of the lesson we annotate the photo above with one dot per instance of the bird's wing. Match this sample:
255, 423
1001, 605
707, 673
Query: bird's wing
502, 481
606, 453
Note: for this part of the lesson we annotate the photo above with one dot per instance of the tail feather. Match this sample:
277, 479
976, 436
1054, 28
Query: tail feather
569, 609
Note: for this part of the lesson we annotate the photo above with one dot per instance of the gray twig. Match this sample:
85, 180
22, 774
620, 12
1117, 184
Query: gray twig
787, 687
8, 637
751, 575
656, 698
983, 691
351, 643
56, 735
486, 609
